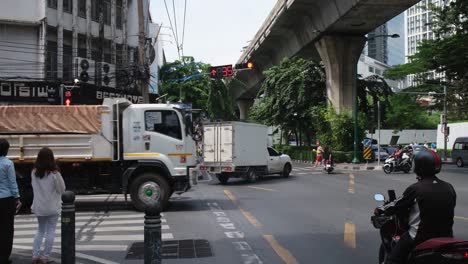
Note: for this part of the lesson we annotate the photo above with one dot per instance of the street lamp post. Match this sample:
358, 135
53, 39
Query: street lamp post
355, 103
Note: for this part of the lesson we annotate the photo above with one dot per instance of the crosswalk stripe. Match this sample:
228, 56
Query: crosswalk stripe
105, 222
91, 229
97, 238
83, 217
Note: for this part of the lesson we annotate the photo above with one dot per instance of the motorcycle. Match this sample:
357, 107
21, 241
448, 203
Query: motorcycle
328, 167
391, 165
446, 250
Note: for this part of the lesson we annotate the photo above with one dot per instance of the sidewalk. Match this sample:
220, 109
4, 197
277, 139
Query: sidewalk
350, 166
361, 166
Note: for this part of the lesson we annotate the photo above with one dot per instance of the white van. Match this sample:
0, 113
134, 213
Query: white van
460, 151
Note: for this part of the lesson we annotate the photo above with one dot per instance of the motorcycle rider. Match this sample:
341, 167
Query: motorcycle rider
430, 203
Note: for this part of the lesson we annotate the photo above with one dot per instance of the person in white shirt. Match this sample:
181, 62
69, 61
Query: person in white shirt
48, 187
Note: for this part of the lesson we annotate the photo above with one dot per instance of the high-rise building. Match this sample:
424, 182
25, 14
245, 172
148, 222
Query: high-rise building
385, 49
396, 46
377, 45
418, 27
46, 43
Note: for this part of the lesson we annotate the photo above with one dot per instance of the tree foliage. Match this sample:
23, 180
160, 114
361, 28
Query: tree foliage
188, 81
406, 113
290, 95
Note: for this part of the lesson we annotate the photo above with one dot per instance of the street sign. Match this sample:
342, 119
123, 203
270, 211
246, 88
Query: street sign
367, 142
367, 153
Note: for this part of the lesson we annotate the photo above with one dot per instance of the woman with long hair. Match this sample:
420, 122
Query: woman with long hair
48, 187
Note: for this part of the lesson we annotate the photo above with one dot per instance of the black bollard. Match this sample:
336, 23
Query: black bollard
68, 228
153, 243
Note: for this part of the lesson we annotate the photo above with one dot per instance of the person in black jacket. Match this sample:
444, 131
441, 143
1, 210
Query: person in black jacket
430, 204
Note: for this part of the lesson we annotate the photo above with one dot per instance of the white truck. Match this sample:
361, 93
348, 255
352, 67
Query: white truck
145, 150
239, 150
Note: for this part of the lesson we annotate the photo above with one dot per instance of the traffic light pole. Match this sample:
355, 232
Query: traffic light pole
445, 123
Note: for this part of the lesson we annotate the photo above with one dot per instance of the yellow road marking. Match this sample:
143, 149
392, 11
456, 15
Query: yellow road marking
350, 234
251, 219
461, 218
261, 188
283, 253
231, 196
351, 184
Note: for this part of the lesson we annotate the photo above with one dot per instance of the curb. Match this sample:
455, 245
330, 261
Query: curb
346, 166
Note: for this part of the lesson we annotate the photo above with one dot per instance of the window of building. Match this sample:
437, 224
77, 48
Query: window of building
106, 12
67, 63
163, 122
107, 51
95, 9
82, 51
378, 72
82, 8
371, 69
95, 50
52, 4
119, 54
118, 14
51, 60
67, 6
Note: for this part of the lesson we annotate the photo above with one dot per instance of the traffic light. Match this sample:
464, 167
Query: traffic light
219, 72
245, 66
67, 98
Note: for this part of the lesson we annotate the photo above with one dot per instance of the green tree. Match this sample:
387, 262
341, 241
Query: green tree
406, 113
288, 94
190, 82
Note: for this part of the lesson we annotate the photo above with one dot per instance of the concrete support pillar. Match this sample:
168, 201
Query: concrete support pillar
244, 107
340, 55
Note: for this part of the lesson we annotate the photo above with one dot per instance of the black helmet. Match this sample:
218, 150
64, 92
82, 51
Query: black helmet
427, 163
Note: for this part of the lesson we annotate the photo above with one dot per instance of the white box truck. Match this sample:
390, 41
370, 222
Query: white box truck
145, 150
239, 150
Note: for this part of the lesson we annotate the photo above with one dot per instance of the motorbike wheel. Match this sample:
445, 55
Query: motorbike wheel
387, 169
382, 254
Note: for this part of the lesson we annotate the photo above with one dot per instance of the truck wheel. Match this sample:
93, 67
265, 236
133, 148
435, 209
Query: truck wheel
287, 170
460, 162
222, 178
252, 175
147, 188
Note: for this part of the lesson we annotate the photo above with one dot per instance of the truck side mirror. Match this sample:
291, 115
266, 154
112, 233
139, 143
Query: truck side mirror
188, 124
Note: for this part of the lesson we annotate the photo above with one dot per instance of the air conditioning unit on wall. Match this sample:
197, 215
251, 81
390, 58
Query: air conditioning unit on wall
107, 74
84, 70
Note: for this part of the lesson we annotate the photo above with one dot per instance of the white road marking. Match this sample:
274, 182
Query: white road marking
251, 259
235, 234
77, 254
242, 245
227, 225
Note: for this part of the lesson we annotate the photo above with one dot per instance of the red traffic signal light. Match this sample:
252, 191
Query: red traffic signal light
67, 96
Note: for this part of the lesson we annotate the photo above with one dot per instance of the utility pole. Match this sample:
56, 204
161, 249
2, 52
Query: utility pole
446, 130
142, 53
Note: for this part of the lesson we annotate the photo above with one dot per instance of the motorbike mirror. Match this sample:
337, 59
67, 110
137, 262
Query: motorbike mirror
379, 197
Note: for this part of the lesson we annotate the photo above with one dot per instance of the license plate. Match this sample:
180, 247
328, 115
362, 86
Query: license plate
215, 169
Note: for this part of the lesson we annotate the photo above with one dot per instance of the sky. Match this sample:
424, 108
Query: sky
215, 30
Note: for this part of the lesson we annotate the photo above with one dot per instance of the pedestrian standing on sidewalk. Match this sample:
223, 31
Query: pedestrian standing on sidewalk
319, 151
9, 202
48, 187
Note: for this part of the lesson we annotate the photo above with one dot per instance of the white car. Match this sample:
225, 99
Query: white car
279, 163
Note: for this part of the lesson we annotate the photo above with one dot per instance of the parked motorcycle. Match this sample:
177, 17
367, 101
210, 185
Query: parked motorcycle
446, 250
391, 165
328, 167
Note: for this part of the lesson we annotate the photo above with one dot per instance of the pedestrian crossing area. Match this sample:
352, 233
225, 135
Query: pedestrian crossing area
307, 170
94, 231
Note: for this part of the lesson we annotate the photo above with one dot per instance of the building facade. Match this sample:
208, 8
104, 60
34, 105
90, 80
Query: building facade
90, 45
418, 27
396, 46
368, 66
377, 45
